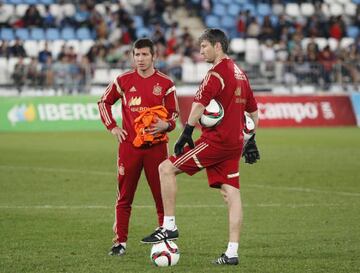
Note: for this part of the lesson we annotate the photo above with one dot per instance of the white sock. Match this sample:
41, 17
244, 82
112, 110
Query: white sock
232, 249
169, 222
123, 244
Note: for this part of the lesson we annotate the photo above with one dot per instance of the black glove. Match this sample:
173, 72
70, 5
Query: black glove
250, 151
184, 138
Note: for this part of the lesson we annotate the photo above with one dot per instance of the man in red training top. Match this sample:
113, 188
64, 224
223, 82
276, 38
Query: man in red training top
138, 89
219, 148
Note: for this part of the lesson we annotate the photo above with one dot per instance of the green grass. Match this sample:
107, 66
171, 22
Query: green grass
301, 206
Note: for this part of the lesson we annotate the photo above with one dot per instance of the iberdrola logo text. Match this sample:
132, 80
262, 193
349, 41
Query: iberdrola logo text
51, 112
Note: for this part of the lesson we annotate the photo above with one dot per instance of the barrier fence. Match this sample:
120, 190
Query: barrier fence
74, 113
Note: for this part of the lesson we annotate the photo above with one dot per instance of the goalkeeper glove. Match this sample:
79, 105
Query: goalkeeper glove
184, 138
250, 151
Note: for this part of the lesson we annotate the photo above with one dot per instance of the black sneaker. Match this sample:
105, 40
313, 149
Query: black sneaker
225, 260
117, 250
161, 234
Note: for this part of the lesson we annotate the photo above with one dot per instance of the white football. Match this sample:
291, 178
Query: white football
165, 253
249, 127
213, 114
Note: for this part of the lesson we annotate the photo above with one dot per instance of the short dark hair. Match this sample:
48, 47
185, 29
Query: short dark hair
214, 35
144, 42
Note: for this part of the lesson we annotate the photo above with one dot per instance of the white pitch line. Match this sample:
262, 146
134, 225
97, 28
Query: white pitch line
303, 190
61, 170
260, 205
57, 170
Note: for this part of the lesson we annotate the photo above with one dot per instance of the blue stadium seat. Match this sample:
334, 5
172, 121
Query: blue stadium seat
15, 2
37, 34
138, 21
233, 9
7, 34
352, 31
219, 9
226, 2
30, 2
47, 2
250, 7
228, 22
83, 33
212, 21
263, 9
142, 32
52, 34
22, 33
68, 33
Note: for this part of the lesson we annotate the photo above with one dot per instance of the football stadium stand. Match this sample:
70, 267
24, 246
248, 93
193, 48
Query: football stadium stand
288, 45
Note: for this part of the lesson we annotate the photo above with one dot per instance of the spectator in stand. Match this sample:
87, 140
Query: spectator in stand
174, 63
74, 75
19, 75
337, 28
241, 24
314, 27
49, 20
253, 29
4, 49
44, 54
4, 16
327, 60
86, 73
100, 59
267, 29
71, 54
206, 7
168, 17
268, 56
17, 50
82, 16
32, 17
171, 43
283, 23
62, 77
47, 73
161, 63
63, 51
158, 35
33, 74
349, 60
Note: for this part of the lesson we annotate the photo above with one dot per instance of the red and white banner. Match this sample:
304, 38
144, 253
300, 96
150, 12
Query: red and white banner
296, 111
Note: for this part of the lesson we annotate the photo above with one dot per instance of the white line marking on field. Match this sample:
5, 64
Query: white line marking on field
264, 205
56, 170
304, 190
89, 172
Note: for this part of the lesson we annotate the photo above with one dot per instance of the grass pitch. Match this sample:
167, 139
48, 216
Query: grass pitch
301, 206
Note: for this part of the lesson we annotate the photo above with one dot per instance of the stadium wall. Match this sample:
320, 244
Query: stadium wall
296, 111
77, 113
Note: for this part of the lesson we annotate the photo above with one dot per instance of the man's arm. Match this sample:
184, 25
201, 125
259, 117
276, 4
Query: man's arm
109, 98
250, 151
255, 117
197, 110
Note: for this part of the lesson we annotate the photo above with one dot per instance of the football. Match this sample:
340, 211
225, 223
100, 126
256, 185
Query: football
165, 253
213, 114
249, 127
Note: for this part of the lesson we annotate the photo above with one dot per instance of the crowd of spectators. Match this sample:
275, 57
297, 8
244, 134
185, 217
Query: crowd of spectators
280, 38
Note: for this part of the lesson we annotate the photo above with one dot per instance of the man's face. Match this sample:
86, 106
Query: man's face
143, 58
207, 51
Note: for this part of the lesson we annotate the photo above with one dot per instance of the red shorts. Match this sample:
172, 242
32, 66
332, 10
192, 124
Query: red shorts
222, 166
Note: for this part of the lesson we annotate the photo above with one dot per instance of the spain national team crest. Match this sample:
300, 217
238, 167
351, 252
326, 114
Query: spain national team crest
157, 90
